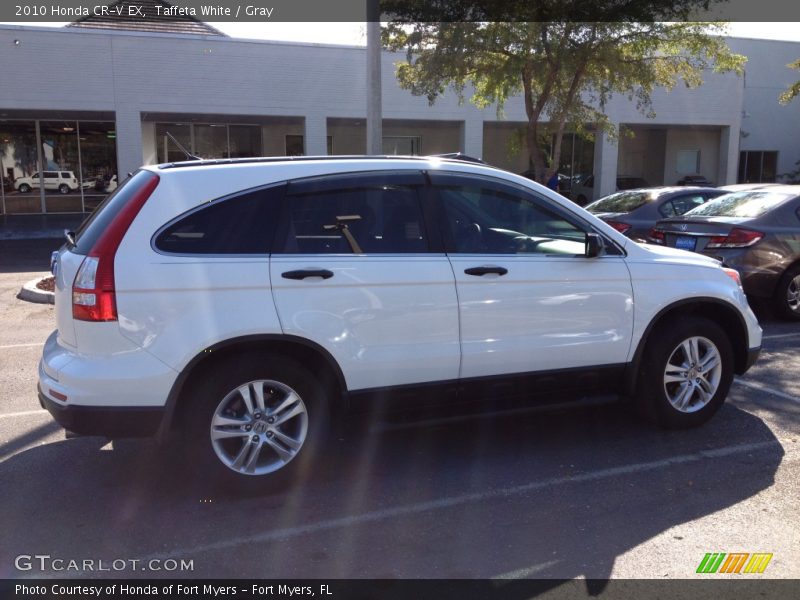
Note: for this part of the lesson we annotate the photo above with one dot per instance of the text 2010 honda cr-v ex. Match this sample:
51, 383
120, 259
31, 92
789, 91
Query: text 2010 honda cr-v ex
246, 304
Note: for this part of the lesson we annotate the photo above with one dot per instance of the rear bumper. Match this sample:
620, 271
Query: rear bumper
106, 421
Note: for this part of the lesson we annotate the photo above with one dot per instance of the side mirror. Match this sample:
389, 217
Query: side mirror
594, 245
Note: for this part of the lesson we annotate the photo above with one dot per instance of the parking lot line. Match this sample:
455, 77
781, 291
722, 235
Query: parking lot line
780, 335
24, 413
453, 501
21, 345
763, 388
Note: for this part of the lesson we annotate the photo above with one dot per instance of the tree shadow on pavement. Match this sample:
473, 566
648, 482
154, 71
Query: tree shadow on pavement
545, 495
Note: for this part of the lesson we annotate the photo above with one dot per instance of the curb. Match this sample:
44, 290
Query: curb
31, 293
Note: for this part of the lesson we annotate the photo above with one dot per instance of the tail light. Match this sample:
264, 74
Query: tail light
737, 238
93, 294
621, 227
657, 236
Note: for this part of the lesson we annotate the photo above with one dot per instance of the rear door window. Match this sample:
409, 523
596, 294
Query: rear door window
370, 214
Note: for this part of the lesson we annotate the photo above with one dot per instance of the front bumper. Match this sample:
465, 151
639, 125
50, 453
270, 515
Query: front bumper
752, 357
106, 421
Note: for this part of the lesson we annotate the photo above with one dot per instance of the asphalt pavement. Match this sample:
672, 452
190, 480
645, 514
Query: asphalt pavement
571, 493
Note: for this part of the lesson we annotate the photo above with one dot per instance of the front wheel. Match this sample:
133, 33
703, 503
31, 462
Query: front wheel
256, 421
787, 295
63, 188
687, 371
24, 188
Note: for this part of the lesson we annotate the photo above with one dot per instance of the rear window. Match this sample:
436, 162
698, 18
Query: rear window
91, 229
621, 203
742, 204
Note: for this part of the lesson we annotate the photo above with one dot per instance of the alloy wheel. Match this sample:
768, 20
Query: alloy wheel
259, 427
692, 374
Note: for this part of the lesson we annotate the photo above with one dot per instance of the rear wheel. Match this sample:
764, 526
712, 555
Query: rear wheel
63, 188
686, 373
787, 295
255, 422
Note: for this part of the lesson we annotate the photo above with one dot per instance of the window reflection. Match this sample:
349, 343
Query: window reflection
18, 164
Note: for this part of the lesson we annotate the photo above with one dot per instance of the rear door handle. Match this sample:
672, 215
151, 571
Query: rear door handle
478, 271
303, 273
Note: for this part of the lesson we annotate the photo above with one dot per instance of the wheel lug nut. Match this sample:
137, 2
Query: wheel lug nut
271, 420
257, 415
697, 380
270, 434
248, 427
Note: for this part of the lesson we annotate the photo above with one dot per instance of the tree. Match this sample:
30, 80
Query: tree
794, 89
566, 68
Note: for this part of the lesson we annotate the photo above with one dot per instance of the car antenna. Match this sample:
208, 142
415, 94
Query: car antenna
189, 155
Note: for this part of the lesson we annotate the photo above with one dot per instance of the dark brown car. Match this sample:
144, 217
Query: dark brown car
756, 232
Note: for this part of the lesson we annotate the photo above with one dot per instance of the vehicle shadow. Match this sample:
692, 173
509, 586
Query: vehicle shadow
543, 495
27, 256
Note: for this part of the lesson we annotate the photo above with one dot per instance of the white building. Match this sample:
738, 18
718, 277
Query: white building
97, 102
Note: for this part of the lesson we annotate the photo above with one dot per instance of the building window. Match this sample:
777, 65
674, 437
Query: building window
294, 145
56, 166
757, 166
401, 145
688, 162
207, 140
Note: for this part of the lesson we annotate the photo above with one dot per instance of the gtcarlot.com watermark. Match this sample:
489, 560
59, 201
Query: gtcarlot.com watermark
48, 563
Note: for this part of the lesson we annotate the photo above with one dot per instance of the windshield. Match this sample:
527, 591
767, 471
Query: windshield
741, 204
621, 203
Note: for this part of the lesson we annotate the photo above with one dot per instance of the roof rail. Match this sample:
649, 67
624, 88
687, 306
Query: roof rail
271, 159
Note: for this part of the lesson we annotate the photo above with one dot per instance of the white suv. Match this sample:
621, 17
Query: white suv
63, 181
247, 304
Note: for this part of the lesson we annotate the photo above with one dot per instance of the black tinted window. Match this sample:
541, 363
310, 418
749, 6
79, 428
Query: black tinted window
743, 204
243, 224
490, 220
372, 219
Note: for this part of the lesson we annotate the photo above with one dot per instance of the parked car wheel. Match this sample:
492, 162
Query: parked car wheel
258, 421
24, 188
687, 370
63, 188
581, 200
787, 295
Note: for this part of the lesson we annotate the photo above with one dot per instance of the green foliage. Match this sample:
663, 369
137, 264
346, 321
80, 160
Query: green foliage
794, 89
566, 71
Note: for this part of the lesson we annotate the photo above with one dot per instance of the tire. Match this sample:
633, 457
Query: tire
63, 188
581, 201
787, 295
24, 188
669, 390
260, 452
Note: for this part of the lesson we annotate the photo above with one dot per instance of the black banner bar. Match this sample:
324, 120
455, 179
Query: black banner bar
738, 587
399, 10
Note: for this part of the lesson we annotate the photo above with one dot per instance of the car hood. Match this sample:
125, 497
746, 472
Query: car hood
667, 254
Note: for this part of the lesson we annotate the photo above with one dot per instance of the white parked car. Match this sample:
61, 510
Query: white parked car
247, 304
63, 181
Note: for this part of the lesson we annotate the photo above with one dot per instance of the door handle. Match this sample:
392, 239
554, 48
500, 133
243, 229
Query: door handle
478, 271
303, 273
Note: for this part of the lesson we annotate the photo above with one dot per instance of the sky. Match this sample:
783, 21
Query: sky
355, 33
